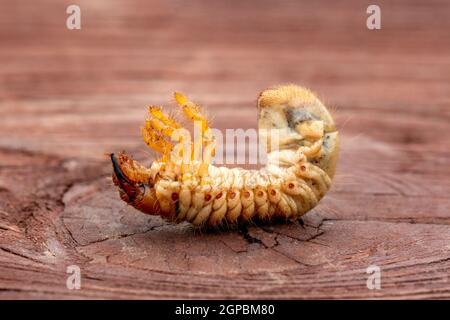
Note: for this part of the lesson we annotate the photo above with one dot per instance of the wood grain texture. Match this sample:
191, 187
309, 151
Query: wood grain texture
67, 97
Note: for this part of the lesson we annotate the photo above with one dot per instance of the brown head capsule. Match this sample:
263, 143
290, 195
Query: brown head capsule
136, 193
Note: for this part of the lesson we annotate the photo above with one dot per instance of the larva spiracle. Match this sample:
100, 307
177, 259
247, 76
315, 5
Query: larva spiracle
298, 172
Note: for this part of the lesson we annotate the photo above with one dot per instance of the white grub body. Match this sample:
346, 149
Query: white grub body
297, 175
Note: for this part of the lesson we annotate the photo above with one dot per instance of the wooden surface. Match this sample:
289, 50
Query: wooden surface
67, 97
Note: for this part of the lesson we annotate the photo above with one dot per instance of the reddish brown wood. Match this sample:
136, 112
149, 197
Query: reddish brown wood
67, 97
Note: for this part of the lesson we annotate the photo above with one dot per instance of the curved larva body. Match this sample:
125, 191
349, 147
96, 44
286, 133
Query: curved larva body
298, 173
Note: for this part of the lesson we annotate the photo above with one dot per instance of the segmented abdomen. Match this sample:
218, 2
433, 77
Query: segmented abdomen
231, 196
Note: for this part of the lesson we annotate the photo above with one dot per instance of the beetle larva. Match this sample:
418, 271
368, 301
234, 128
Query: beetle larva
297, 174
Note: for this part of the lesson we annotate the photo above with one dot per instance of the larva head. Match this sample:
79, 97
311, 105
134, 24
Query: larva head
135, 185
299, 118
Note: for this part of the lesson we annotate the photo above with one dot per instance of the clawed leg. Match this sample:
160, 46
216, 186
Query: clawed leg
156, 141
193, 112
159, 130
